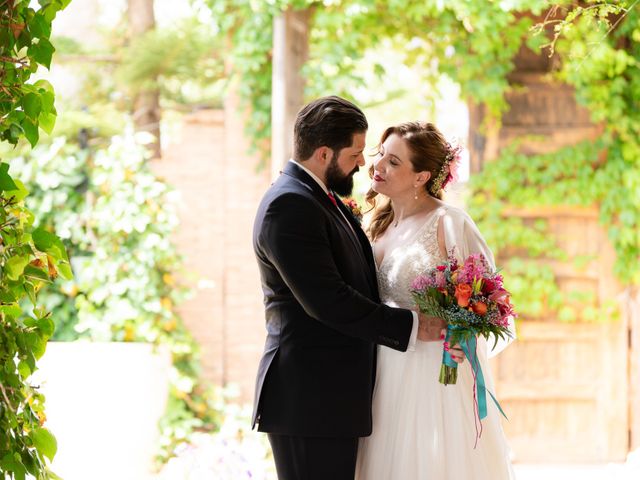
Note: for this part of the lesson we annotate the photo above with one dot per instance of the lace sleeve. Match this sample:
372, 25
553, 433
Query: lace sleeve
463, 237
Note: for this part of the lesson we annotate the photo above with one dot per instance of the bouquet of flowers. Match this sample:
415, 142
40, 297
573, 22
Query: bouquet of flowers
470, 297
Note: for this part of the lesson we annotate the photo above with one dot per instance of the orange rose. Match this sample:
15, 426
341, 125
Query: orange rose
463, 293
480, 308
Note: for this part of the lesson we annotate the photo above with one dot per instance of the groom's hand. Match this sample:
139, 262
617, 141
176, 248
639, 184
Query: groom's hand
429, 328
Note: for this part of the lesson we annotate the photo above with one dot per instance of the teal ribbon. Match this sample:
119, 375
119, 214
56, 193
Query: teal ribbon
469, 347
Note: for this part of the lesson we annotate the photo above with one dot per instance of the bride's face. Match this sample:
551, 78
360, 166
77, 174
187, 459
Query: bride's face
393, 173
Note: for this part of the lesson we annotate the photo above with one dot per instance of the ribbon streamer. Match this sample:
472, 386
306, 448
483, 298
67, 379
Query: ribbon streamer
470, 348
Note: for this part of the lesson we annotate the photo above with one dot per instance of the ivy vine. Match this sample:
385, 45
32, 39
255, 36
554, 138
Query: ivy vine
30, 256
116, 216
474, 43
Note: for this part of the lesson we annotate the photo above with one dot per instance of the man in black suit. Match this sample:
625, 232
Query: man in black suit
323, 312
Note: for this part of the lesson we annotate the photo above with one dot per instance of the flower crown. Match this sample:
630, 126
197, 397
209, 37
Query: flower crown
449, 169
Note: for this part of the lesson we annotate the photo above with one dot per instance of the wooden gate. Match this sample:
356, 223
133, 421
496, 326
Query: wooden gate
564, 385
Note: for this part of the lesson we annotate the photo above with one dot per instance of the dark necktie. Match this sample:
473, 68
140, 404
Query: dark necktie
333, 199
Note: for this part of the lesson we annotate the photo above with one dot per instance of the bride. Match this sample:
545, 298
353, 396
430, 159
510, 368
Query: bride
423, 430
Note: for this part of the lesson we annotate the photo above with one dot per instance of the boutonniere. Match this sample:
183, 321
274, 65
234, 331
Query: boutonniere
355, 209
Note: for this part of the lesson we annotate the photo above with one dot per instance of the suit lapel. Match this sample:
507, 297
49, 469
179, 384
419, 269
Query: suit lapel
355, 234
365, 245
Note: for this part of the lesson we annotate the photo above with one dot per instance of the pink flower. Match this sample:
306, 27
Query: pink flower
421, 282
441, 280
488, 286
475, 268
500, 296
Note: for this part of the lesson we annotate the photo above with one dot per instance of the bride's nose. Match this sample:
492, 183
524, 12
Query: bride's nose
377, 162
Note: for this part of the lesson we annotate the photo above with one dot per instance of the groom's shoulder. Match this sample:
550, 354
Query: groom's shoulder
286, 188
289, 196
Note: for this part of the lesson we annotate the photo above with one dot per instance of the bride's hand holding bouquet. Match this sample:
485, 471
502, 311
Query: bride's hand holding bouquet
471, 299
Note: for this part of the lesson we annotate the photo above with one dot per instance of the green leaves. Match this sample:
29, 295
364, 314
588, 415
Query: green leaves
115, 216
24, 107
15, 266
44, 442
12, 463
42, 52
49, 243
32, 105
30, 129
6, 182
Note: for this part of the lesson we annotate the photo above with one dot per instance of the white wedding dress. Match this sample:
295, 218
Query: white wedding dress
423, 430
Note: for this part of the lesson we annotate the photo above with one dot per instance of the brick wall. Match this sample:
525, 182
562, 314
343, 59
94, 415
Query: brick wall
219, 188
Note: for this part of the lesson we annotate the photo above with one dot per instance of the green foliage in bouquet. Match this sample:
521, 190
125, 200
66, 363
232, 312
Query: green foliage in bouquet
30, 256
117, 218
435, 304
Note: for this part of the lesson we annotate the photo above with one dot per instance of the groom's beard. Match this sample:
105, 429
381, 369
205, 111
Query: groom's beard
337, 181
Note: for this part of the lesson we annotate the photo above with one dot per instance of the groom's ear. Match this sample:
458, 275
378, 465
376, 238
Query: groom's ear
323, 154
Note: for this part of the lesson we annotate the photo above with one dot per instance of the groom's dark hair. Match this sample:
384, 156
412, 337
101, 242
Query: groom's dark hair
328, 121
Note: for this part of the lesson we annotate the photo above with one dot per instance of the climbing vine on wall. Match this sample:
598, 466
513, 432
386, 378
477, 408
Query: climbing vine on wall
474, 43
30, 256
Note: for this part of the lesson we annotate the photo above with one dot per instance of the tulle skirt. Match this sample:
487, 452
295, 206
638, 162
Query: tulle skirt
423, 430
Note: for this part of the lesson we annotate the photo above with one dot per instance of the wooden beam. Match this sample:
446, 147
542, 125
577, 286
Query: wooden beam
290, 52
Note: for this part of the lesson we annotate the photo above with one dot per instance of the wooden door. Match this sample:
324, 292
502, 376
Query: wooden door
564, 385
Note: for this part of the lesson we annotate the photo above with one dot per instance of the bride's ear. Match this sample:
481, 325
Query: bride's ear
422, 178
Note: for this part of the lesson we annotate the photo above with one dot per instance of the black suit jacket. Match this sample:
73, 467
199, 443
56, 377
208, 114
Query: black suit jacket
323, 315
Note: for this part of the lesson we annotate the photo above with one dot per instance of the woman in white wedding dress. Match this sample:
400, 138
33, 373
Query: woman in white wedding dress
423, 430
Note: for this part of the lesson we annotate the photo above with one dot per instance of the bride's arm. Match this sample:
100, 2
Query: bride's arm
458, 232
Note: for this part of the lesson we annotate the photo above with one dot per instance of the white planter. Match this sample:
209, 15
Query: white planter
103, 403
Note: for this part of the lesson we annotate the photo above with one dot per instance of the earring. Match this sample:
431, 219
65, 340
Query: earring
415, 195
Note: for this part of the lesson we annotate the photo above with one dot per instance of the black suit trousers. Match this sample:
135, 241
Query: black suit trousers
314, 458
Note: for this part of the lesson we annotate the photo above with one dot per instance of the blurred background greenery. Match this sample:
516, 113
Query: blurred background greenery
125, 87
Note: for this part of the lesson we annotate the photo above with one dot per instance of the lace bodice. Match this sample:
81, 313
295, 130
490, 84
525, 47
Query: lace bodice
402, 265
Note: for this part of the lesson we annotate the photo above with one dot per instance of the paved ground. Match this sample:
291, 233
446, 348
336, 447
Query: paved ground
578, 472
228, 456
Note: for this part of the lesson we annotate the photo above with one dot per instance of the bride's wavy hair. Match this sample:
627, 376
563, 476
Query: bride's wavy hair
429, 152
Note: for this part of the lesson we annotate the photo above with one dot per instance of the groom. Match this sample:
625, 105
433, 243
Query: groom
323, 313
